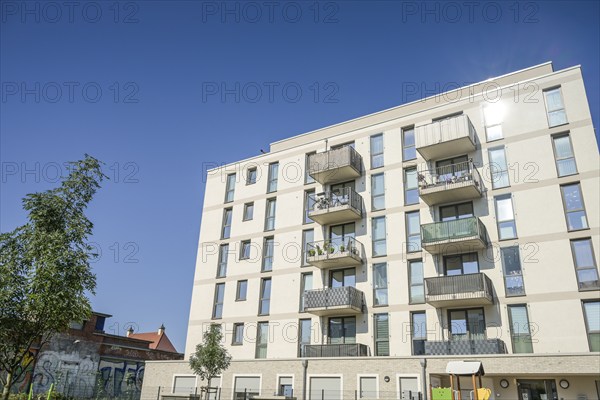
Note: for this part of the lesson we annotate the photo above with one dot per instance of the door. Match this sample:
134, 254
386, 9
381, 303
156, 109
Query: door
342, 330
342, 277
452, 169
467, 324
409, 388
342, 235
537, 389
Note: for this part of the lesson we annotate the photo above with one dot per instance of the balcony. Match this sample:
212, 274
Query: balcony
456, 236
335, 207
337, 165
459, 290
334, 253
450, 183
464, 347
343, 300
335, 350
445, 138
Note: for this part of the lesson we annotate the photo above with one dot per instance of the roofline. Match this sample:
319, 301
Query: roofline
101, 314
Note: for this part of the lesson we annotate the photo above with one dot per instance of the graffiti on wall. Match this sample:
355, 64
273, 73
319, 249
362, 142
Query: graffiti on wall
24, 373
120, 377
70, 373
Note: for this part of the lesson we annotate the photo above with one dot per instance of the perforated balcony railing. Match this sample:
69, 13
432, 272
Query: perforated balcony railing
334, 301
459, 290
445, 138
450, 183
334, 207
336, 165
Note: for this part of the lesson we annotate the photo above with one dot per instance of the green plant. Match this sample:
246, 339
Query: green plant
210, 358
331, 250
342, 248
311, 252
319, 251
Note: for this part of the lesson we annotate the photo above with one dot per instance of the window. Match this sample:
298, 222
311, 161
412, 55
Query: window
513, 276
248, 211
246, 387
417, 284
99, 326
223, 253
238, 334
411, 187
368, 387
466, 324
251, 176
226, 231
380, 284
498, 167
268, 251
241, 291
574, 207
342, 236
377, 192
456, 211
304, 326
342, 330
592, 321
342, 277
230, 188
184, 385
493, 115
377, 151
306, 283
265, 297
418, 332
262, 339
270, 215
519, 329
309, 205
563, 154
285, 386
379, 236
409, 151
308, 236
585, 264
461, 264
505, 217
555, 107
272, 181
307, 178
382, 335
413, 231
245, 249
218, 302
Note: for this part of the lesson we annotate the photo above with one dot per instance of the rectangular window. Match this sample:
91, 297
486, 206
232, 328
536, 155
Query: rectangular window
417, 284
218, 301
309, 205
380, 284
238, 334
413, 231
304, 335
493, 114
342, 330
555, 107
306, 283
585, 264
368, 387
241, 291
466, 324
184, 385
418, 332
285, 386
307, 178
270, 214
246, 387
456, 211
248, 211
377, 192
223, 253
379, 236
226, 230
273, 177
382, 335
574, 207
461, 264
592, 322
262, 339
563, 154
377, 151
411, 186
268, 251
265, 297
505, 217
519, 329
409, 150
308, 236
513, 277
245, 249
230, 188
498, 167
251, 176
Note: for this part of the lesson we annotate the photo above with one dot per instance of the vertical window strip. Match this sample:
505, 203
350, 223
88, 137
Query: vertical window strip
563, 154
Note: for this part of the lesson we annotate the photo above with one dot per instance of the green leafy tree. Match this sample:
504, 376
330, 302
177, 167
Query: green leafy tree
45, 273
210, 358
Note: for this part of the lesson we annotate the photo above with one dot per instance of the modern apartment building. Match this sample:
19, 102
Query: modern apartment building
357, 260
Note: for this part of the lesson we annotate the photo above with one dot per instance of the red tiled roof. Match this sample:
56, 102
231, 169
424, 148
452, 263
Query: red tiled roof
159, 342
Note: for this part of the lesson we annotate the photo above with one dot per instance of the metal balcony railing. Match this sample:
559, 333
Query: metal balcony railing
464, 347
458, 129
450, 177
456, 229
332, 200
335, 165
458, 288
338, 297
324, 250
335, 350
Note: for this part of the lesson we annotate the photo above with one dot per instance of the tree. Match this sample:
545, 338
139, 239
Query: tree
45, 273
210, 358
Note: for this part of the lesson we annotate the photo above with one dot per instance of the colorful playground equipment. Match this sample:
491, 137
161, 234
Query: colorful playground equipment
456, 369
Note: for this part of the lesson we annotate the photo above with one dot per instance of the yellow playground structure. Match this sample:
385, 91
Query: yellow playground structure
456, 370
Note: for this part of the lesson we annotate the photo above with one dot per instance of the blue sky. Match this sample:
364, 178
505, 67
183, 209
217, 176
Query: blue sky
156, 89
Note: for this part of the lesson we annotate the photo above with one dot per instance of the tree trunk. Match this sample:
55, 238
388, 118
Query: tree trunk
6, 390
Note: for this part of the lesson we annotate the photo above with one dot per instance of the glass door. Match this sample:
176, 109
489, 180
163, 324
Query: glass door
342, 330
342, 277
341, 235
467, 324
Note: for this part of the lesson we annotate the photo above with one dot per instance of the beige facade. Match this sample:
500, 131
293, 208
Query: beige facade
524, 304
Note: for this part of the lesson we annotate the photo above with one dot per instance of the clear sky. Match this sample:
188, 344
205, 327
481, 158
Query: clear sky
155, 89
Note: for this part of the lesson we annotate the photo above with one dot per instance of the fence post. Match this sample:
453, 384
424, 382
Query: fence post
158, 394
322, 394
219, 394
355, 394
245, 389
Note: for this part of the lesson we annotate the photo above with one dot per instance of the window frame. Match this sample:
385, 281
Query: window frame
512, 331
378, 196
248, 206
251, 176
410, 282
385, 288
502, 172
405, 147
487, 124
303, 288
562, 100
265, 256
407, 233
373, 240
307, 206
556, 159
215, 300
504, 271
406, 189
234, 338
223, 223
423, 337
238, 291
260, 341
307, 178
593, 267
270, 218
273, 177
222, 260
468, 333
245, 245
228, 180
377, 339
304, 259
498, 221
300, 331
262, 299
588, 332
564, 201
373, 155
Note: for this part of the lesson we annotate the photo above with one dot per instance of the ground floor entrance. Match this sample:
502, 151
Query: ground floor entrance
541, 389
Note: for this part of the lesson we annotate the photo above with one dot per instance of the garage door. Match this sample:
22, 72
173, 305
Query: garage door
325, 388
